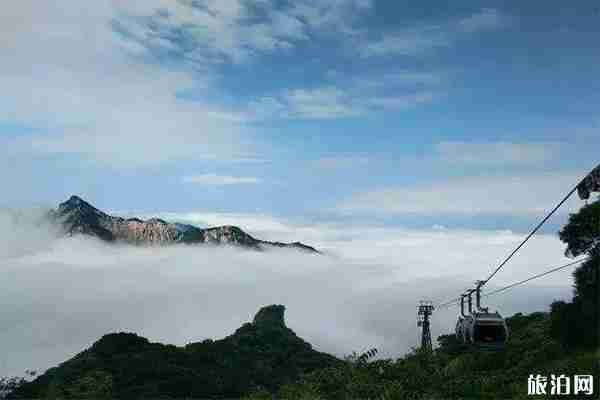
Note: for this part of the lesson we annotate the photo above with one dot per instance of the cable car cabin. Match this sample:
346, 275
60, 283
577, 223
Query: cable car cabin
459, 331
480, 328
484, 330
490, 328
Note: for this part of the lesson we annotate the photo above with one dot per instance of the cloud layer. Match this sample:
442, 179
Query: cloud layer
214, 179
499, 153
106, 79
82, 88
234, 31
421, 39
524, 195
60, 295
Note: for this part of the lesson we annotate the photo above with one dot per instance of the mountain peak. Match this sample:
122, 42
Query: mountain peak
75, 202
79, 217
270, 316
74, 199
119, 343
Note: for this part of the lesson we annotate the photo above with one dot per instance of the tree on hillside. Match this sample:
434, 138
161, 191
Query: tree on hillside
576, 324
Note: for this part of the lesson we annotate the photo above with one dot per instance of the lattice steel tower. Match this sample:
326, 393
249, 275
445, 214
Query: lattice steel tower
424, 310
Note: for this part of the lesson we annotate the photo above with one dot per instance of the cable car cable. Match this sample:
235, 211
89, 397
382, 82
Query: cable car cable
534, 277
533, 232
556, 269
529, 236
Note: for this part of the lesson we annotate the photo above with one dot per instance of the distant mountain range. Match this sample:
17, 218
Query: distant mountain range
76, 216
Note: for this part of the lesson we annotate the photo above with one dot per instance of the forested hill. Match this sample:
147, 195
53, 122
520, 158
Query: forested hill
452, 371
270, 362
264, 354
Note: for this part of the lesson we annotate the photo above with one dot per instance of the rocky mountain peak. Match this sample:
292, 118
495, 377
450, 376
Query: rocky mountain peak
270, 316
76, 216
76, 203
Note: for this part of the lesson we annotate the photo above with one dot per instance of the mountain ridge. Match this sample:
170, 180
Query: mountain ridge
261, 354
77, 216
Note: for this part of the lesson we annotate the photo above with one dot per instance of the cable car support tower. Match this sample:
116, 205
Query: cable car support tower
424, 311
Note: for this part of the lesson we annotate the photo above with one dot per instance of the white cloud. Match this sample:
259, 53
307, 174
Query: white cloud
334, 102
324, 102
214, 27
214, 179
268, 107
85, 91
91, 84
486, 19
288, 26
255, 223
351, 97
318, 103
60, 295
499, 153
399, 102
401, 78
340, 162
388, 245
232, 30
494, 195
331, 16
407, 42
417, 40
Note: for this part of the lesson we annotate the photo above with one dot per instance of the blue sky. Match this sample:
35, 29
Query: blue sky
474, 115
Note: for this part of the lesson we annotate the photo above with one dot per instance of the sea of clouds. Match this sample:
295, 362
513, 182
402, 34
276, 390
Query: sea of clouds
60, 294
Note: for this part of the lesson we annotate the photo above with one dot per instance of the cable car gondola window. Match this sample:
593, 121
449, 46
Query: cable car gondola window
492, 333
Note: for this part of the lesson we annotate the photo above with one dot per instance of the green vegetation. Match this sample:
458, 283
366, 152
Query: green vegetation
264, 354
452, 371
261, 366
578, 323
